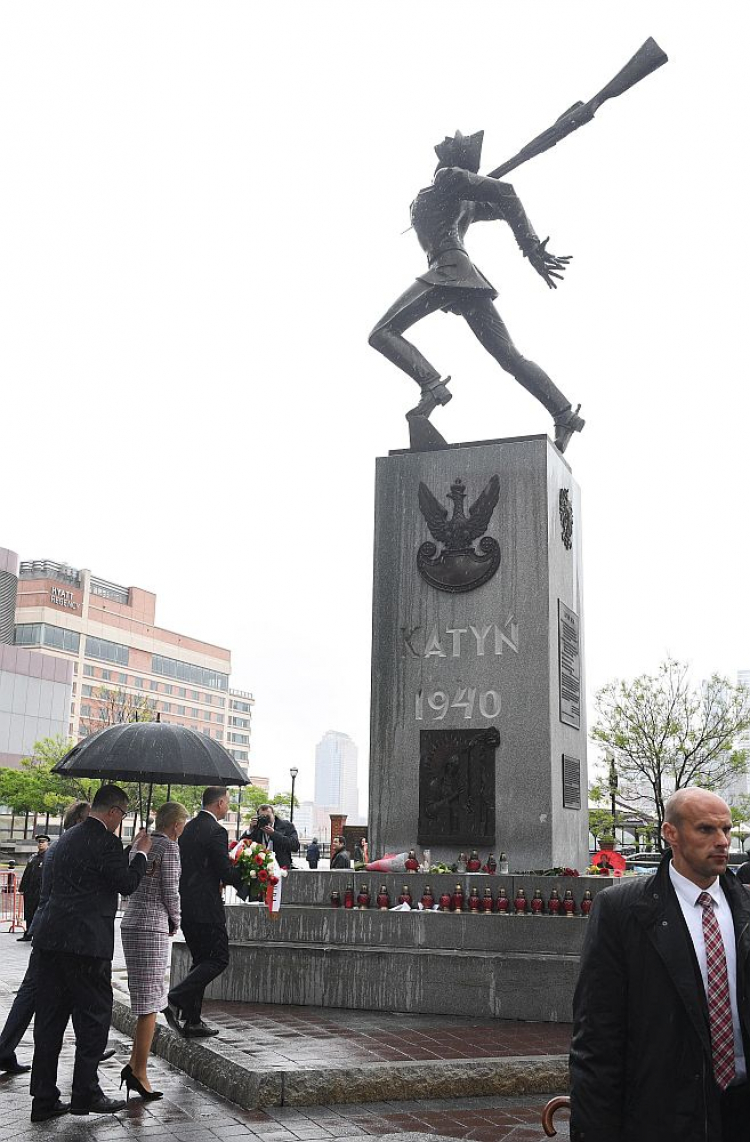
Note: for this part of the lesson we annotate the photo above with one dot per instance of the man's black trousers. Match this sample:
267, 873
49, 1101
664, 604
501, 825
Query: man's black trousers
22, 1011
209, 947
66, 984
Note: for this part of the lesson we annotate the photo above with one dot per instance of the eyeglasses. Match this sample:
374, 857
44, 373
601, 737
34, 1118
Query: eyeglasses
123, 812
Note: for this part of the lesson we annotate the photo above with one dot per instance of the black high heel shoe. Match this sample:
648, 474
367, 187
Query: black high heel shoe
132, 1082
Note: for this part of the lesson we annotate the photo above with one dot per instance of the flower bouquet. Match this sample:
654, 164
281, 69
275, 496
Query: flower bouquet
257, 866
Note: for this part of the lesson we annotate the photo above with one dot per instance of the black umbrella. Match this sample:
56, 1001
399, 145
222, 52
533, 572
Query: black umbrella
156, 752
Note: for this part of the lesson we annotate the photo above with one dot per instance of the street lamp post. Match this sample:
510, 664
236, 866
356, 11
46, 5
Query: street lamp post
239, 812
612, 786
293, 774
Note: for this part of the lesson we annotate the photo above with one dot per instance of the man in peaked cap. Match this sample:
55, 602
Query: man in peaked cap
441, 214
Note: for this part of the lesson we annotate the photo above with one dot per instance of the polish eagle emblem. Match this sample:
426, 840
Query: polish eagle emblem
459, 567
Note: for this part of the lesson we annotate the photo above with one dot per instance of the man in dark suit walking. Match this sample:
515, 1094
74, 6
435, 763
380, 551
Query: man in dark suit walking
204, 854
24, 1005
74, 942
661, 1036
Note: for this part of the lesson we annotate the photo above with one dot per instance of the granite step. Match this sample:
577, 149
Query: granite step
290, 1056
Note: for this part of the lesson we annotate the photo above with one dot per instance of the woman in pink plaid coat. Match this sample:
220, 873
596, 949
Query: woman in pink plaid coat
152, 917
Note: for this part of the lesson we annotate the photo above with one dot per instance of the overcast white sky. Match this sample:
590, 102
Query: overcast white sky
201, 216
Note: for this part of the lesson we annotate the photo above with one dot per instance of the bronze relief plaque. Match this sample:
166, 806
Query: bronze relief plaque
457, 787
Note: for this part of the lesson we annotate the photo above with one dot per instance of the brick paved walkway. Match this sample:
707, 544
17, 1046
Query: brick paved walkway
337, 1038
190, 1113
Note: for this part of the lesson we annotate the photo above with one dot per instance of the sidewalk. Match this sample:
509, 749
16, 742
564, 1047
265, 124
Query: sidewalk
291, 1041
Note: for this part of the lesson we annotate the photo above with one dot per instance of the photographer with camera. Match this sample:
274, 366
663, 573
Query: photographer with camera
265, 828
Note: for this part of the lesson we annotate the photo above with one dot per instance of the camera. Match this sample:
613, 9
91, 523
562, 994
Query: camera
263, 820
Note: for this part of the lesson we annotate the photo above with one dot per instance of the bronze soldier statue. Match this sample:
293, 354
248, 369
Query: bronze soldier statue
441, 214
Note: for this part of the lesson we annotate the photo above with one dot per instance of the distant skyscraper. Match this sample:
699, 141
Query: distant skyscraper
336, 774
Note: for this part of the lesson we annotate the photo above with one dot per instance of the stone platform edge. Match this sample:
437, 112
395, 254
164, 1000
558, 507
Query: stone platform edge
216, 1066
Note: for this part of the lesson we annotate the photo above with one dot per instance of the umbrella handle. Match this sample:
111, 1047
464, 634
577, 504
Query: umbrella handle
548, 1114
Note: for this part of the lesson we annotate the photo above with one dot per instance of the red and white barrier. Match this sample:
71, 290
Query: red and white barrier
11, 901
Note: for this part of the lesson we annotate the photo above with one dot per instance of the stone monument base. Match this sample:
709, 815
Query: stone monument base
478, 726
509, 967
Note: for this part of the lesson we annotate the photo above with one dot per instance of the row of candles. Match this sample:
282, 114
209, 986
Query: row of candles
456, 901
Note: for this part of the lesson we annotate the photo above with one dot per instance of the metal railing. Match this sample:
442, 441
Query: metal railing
46, 569
110, 590
11, 901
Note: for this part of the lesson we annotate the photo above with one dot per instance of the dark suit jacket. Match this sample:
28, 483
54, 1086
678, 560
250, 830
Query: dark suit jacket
85, 875
31, 881
204, 853
640, 1060
285, 841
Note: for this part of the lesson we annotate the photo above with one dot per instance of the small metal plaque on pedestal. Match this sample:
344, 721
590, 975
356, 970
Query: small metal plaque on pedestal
569, 649
571, 782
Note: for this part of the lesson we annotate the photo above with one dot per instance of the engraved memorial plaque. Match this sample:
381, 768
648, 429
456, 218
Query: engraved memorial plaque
569, 649
571, 782
457, 787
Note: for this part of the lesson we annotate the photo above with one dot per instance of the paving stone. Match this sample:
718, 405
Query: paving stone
191, 1113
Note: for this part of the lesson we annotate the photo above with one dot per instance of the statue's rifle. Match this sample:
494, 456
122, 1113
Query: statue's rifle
646, 59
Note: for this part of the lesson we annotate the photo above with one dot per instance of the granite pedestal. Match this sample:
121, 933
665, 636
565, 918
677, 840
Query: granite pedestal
478, 727
509, 967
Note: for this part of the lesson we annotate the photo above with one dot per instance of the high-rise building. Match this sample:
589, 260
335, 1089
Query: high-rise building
35, 691
336, 774
312, 821
122, 661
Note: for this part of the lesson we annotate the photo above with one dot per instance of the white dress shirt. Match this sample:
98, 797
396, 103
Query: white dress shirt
687, 895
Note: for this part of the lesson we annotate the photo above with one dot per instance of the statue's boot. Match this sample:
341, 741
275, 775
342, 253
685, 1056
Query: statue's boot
566, 423
433, 393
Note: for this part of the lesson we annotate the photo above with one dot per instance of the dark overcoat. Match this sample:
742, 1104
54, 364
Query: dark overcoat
640, 1059
31, 885
204, 855
81, 881
285, 841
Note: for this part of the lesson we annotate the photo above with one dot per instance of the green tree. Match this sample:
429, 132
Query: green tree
253, 796
601, 823
740, 810
34, 788
667, 734
17, 790
283, 801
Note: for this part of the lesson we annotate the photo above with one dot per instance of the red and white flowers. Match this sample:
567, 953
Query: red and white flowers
257, 866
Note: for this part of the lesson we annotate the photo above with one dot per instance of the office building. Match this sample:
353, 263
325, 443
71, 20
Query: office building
35, 691
336, 775
122, 662
240, 710
312, 821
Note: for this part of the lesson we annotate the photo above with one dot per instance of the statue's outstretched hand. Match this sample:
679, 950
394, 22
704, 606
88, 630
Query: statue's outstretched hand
547, 265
